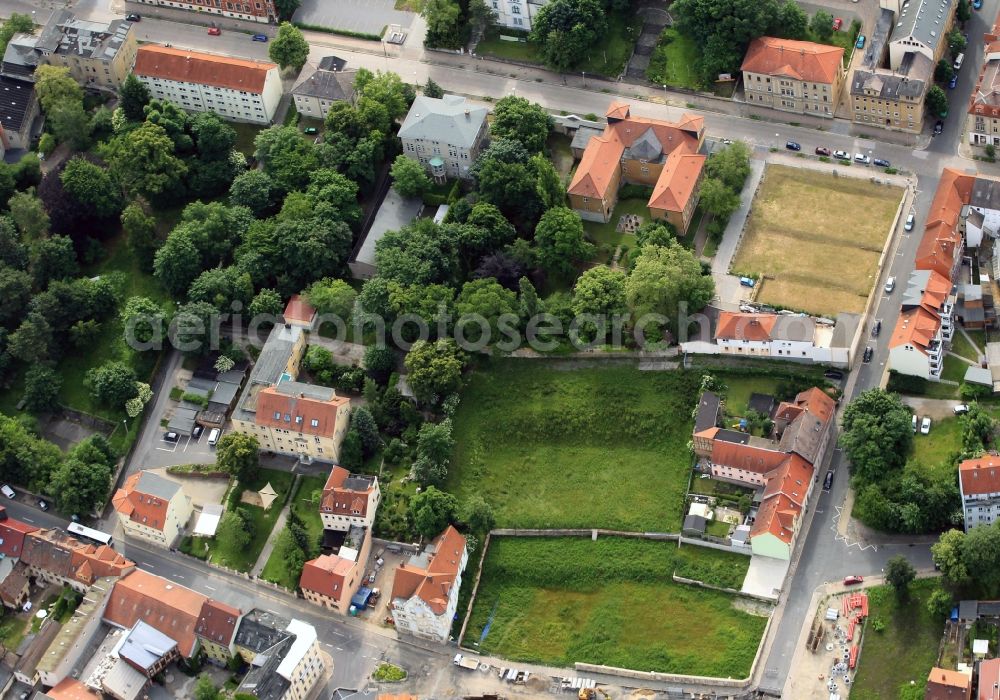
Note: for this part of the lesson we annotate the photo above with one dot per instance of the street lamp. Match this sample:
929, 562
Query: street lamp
584, 78
664, 94
777, 141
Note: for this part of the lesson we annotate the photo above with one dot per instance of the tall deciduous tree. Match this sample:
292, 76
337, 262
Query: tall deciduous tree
409, 177
92, 187
731, 165
822, 25
82, 481
435, 369
665, 280
238, 454
478, 515
143, 161
432, 511
560, 242
253, 189
600, 291
876, 434
41, 389
936, 101
567, 31
518, 119
289, 49
54, 85
133, 96
329, 296
288, 158
899, 573
444, 24
141, 231
112, 384
718, 199
28, 213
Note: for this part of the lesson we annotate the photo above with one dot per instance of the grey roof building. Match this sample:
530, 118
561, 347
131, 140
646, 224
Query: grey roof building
921, 26
97, 54
450, 130
708, 411
152, 484
317, 88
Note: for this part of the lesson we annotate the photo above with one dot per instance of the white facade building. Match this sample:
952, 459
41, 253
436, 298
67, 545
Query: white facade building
516, 14
349, 500
979, 486
235, 89
444, 135
425, 589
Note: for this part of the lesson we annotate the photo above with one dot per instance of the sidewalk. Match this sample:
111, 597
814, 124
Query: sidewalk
265, 553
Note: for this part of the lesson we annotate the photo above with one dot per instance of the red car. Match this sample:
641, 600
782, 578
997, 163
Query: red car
822, 151
837, 24
214, 31
851, 580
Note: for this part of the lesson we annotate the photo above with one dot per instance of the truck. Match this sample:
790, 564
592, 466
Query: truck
466, 662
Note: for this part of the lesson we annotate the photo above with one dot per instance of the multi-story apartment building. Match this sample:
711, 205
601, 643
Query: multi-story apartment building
444, 135
285, 658
979, 486
516, 14
425, 589
349, 500
331, 580
235, 89
982, 122
216, 629
793, 76
663, 155
892, 99
53, 557
152, 508
97, 54
252, 10
322, 85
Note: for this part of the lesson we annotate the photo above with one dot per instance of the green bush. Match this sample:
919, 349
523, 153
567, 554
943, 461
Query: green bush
340, 32
196, 399
388, 672
630, 191
906, 383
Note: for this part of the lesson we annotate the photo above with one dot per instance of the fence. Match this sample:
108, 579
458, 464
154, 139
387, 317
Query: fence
697, 542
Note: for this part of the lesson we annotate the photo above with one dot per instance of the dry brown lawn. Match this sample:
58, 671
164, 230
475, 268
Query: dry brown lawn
816, 239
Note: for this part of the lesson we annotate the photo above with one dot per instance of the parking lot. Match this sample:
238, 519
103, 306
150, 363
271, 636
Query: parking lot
186, 450
365, 16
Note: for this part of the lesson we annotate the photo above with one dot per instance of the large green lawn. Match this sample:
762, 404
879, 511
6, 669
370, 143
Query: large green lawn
905, 651
307, 508
562, 600
674, 61
582, 448
933, 453
960, 345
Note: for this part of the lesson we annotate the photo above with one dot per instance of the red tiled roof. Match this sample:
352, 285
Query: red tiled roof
71, 689
936, 292
791, 478
985, 98
980, 476
989, 679
270, 401
298, 309
942, 241
777, 516
740, 326
168, 63
813, 400
172, 609
916, 327
327, 575
943, 684
617, 110
217, 622
140, 507
12, 534
342, 501
433, 584
746, 457
800, 60
66, 557
677, 182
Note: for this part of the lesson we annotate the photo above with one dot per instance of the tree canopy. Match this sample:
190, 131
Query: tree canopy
567, 31
289, 49
435, 369
518, 119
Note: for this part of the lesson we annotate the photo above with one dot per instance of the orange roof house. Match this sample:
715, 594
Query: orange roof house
55, 556
12, 533
71, 689
985, 98
744, 326
799, 60
300, 312
156, 61
425, 588
941, 245
315, 413
943, 684
915, 328
638, 150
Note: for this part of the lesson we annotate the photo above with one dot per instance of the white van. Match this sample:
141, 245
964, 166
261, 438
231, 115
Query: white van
914, 423
957, 65
213, 437
7, 491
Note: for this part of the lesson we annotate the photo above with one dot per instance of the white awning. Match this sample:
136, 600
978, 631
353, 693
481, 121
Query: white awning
208, 521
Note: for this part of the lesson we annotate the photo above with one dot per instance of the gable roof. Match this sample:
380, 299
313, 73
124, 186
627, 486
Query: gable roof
741, 326
166, 606
71, 689
776, 516
989, 679
298, 309
923, 21
708, 411
677, 182
943, 684
985, 98
66, 557
801, 60
980, 476
16, 98
217, 622
145, 498
347, 494
12, 534
791, 478
167, 63
432, 582
915, 327
327, 575
325, 84
451, 119
941, 242
746, 457
302, 408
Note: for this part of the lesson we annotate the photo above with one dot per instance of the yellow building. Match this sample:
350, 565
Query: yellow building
793, 76
97, 54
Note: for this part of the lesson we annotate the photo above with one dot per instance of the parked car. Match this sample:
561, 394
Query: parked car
828, 481
890, 284
860, 43
214, 31
925, 425
259, 37
867, 356
213, 437
310, 130
908, 226
837, 24
171, 437
835, 374
852, 580
133, 17
42, 504
7, 491
877, 328
953, 83
961, 409
822, 151
938, 127
746, 281
959, 59
198, 430
862, 158
977, 4
842, 155
793, 146
727, 142
881, 163
913, 423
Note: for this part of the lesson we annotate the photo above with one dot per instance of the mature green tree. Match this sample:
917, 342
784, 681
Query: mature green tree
876, 434
435, 442
352, 454
409, 177
204, 689
53, 258
718, 199
363, 422
444, 24
432, 302
15, 292
54, 86
379, 363
981, 556
253, 189
432, 89
567, 31
899, 573
432, 511
949, 556
978, 428
81, 483
477, 515
665, 280
92, 187
288, 157
238, 454
940, 603
936, 101
793, 23
32, 341
286, 8
28, 213
435, 369
560, 241
267, 302
943, 71
724, 29
70, 124
518, 119
175, 122
289, 255
190, 328
112, 384
488, 299
956, 42
289, 49
421, 252
386, 88
141, 231
232, 533
133, 96
333, 195
24, 458
329, 296
522, 186
177, 263
731, 165
600, 291
143, 320
143, 161
223, 287
821, 25
659, 233
41, 389
963, 12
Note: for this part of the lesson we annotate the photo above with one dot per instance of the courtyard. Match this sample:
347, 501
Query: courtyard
815, 239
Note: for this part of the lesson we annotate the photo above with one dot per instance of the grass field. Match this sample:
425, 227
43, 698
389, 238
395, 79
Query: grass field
905, 651
954, 369
960, 345
932, 453
562, 600
586, 448
817, 255
607, 236
673, 61
308, 510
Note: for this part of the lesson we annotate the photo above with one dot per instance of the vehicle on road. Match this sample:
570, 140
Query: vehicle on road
938, 128
822, 151
828, 481
833, 374
890, 284
862, 158
42, 504
959, 59
867, 357
881, 163
728, 142
925, 425
860, 44
259, 37
852, 580
961, 409
7, 491
953, 83
877, 328
466, 662
746, 281
842, 155
310, 130
214, 31
89, 534
837, 24
133, 17
793, 146
908, 226
171, 437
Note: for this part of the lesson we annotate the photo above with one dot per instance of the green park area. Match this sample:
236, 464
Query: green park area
559, 601
306, 507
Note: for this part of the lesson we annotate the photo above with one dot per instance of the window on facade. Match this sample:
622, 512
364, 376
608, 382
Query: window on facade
314, 423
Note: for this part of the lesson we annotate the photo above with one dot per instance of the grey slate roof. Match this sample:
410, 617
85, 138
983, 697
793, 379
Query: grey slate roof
332, 63
451, 119
708, 411
985, 193
145, 645
843, 329
803, 437
68, 35
695, 523
325, 84
916, 283
796, 328
886, 84
152, 484
923, 20
733, 436
582, 137
16, 97
978, 375
875, 46
646, 147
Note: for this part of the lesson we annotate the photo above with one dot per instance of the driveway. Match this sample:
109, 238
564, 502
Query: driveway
366, 16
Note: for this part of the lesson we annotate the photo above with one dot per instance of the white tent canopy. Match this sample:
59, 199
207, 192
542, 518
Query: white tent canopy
208, 521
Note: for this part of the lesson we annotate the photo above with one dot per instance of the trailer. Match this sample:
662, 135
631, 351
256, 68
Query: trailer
466, 662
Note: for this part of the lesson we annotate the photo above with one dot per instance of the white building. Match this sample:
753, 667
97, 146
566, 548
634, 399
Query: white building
152, 507
516, 14
425, 589
979, 486
925, 325
983, 216
235, 89
349, 500
444, 135
284, 655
